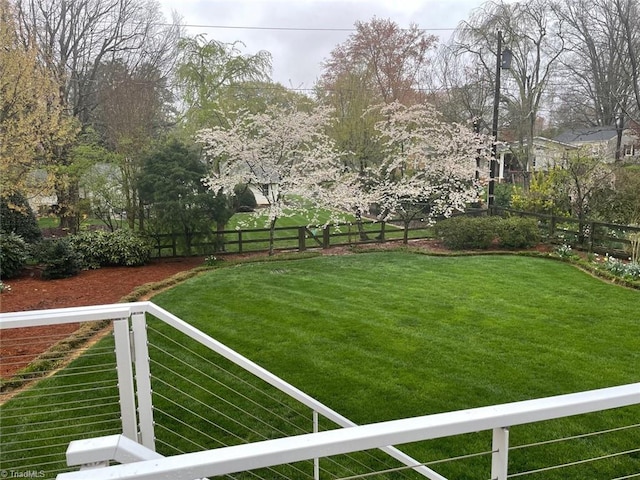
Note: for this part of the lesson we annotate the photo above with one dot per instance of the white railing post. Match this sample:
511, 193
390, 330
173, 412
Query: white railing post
124, 367
316, 461
500, 455
143, 380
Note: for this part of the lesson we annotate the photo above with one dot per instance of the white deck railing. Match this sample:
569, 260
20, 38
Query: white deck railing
134, 449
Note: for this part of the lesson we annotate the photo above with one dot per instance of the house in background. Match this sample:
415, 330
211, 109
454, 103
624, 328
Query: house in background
547, 153
603, 141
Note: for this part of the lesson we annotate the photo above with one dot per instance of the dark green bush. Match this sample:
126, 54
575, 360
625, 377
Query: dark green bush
13, 254
462, 232
244, 200
122, 247
480, 233
517, 232
58, 258
16, 216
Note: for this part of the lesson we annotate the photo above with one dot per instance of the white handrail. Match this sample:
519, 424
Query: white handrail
246, 457
276, 382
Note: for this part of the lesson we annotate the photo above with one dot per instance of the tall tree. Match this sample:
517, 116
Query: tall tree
75, 38
429, 165
536, 41
459, 88
284, 150
379, 63
389, 60
206, 69
602, 39
130, 114
32, 120
171, 187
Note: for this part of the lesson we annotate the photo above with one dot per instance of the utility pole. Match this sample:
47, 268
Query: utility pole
503, 60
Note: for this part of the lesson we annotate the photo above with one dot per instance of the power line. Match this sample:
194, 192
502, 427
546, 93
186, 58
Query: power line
290, 29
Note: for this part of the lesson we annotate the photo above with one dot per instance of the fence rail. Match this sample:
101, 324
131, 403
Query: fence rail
150, 405
590, 235
298, 238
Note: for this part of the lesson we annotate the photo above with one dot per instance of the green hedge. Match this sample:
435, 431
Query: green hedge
481, 233
119, 248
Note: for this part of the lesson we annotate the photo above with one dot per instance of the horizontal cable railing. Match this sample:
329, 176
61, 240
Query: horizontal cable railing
208, 411
77, 397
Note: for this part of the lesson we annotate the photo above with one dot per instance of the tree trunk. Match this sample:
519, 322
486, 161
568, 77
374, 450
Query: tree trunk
68, 198
361, 232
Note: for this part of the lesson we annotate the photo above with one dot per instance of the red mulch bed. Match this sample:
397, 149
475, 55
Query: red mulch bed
90, 287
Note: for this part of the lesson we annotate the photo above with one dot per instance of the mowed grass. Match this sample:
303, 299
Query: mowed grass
381, 336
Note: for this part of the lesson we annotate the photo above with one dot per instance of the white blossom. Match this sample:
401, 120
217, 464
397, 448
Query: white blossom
429, 165
283, 147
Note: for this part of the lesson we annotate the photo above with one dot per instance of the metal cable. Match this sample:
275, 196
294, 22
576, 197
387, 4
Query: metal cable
574, 437
231, 374
577, 462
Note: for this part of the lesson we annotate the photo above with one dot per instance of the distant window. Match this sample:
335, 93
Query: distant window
628, 150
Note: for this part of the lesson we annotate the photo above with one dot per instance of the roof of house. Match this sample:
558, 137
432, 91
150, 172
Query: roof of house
588, 135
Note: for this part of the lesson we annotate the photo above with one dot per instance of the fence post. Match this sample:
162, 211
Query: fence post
143, 380
326, 236
302, 234
500, 455
126, 389
592, 228
239, 241
552, 226
382, 230
316, 461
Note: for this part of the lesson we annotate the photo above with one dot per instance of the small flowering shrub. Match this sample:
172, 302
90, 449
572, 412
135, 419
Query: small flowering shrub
4, 287
58, 258
211, 260
13, 254
122, 247
564, 251
621, 269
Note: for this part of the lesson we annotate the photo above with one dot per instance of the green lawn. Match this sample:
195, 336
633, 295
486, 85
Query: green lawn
381, 336
387, 335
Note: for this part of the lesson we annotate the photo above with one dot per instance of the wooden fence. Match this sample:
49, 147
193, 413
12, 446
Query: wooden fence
299, 238
589, 235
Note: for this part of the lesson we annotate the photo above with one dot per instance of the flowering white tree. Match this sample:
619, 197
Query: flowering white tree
284, 148
429, 165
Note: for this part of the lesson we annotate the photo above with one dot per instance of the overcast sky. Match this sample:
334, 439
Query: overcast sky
298, 54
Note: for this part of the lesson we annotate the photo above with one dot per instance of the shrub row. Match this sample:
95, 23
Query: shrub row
481, 233
65, 257
102, 249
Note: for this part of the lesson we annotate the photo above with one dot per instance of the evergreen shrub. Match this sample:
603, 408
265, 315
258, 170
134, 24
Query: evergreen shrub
467, 233
119, 248
517, 232
57, 257
14, 253
481, 233
16, 216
